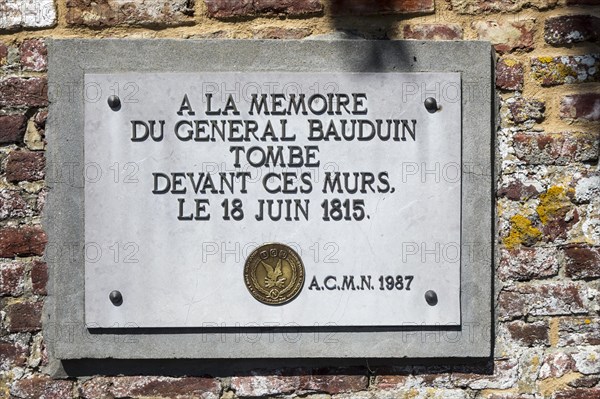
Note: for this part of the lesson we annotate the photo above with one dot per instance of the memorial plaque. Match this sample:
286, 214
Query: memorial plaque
191, 172
225, 199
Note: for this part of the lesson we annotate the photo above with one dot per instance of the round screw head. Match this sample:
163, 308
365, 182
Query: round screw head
116, 298
431, 298
431, 105
114, 102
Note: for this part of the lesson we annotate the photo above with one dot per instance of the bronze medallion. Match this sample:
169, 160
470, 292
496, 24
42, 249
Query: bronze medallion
274, 274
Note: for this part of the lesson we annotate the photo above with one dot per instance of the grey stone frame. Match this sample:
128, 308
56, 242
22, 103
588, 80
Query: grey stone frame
64, 328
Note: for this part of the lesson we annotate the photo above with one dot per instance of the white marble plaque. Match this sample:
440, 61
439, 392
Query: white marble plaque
193, 171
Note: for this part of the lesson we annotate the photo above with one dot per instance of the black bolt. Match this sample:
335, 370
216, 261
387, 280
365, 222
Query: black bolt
114, 102
431, 298
431, 105
116, 298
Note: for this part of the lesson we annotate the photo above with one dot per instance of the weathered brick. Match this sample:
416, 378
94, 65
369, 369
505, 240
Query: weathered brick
156, 387
556, 212
277, 384
586, 360
33, 55
556, 364
432, 31
103, 13
586, 381
583, 2
22, 241
505, 376
551, 71
41, 387
18, 92
525, 110
556, 148
582, 261
579, 393
574, 331
3, 54
27, 14
567, 29
12, 279
584, 106
586, 188
12, 128
528, 263
249, 8
12, 354
12, 205
518, 191
275, 32
39, 277
24, 316
506, 36
509, 74
551, 299
25, 166
529, 334
486, 6
366, 7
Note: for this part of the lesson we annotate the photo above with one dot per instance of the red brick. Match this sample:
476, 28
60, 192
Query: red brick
529, 334
432, 31
367, 7
22, 241
156, 387
12, 128
507, 36
42, 387
525, 110
12, 354
579, 393
250, 8
12, 279
574, 331
12, 205
584, 106
518, 191
18, 92
509, 74
528, 263
275, 32
556, 148
582, 261
25, 165
103, 13
552, 71
39, 277
567, 29
551, 299
333, 384
24, 316
34, 55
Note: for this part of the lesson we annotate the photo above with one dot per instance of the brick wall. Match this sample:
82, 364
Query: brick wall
547, 338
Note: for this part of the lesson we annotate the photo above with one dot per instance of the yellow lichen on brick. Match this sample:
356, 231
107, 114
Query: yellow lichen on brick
552, 203
521, 232
545, 60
